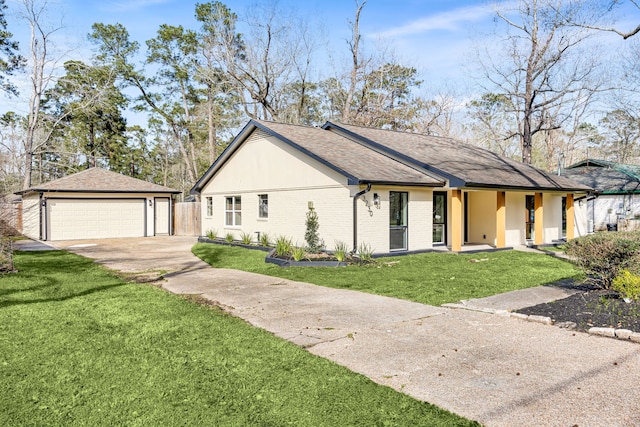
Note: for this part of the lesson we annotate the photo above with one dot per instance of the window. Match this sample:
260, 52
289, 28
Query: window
233, 211
209, 206
263, 206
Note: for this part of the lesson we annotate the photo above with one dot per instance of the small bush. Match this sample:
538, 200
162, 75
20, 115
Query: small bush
283, 246
6, 255
245, 238
229, 237
341, 250
311, 235
365, 252
602, 256
628, 284
265, 240
298, 253
212, 234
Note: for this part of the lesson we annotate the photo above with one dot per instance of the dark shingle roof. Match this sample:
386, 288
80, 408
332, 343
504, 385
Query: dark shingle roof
96, 180
605, 177
365, 155
354, 159
465, 165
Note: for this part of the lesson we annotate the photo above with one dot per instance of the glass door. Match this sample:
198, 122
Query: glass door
530, 219
398, 220
439, 217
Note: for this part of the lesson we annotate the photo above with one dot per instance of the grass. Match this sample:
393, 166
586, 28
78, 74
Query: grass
81, 347
430, 278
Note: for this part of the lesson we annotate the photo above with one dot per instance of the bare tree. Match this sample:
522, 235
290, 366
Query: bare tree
43, 65
357, 62
600, 12
539, 67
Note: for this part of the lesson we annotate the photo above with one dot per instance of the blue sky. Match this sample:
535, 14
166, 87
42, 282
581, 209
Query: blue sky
432, 35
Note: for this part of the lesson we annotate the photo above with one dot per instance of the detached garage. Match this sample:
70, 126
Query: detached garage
96, 203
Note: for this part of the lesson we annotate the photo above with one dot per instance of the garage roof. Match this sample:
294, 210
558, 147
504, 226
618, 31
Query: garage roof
97, 180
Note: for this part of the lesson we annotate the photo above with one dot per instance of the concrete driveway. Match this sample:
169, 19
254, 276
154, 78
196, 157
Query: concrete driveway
494, 369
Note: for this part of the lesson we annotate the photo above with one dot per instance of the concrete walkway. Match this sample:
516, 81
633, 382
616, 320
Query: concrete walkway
494, 369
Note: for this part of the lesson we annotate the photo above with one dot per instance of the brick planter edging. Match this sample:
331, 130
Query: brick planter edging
270, 258
291, 263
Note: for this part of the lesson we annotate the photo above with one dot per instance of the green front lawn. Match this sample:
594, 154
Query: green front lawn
78, 346
430, 278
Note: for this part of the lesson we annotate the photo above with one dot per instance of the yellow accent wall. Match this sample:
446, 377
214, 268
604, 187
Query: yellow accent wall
481, 211
456, 220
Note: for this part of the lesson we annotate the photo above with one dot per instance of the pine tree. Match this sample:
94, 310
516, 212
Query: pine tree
311, 236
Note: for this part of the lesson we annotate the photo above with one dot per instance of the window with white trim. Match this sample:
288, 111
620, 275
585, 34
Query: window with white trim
209, 206
233, 211
263, 206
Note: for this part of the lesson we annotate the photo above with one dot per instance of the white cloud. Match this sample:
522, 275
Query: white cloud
450, 20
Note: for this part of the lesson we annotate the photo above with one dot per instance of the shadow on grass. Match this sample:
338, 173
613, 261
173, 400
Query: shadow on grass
4, 304
52, 276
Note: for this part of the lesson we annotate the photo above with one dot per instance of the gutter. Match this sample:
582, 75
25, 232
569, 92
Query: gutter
355, 216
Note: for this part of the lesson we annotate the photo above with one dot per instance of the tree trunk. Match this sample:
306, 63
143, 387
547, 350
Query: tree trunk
355, 57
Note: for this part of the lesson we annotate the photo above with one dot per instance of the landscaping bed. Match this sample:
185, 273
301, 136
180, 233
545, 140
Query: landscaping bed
590, 308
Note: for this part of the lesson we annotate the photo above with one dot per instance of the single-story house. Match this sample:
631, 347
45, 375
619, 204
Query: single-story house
394, 191
96, 203
616, 199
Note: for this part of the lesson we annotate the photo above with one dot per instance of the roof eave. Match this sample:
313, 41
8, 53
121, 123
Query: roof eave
402, 183
522, 188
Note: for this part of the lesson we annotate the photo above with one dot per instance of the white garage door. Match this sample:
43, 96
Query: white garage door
69, 219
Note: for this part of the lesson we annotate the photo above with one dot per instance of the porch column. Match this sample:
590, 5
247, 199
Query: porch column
456, 220
501, 220
570, 217
538, 223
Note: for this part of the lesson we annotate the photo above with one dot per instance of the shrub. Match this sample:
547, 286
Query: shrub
229, 237
6, 255
283, 246
311, 236
628, 284
365, 252
602, 256
212, 234
298, 253
245, 238
265, 239
341, 250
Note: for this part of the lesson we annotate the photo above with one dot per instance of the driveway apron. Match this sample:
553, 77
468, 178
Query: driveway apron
492, 368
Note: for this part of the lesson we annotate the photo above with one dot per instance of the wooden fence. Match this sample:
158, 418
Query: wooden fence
187, 219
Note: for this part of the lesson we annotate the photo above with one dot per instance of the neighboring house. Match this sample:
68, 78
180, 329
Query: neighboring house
617, 194
394, 191
96, 203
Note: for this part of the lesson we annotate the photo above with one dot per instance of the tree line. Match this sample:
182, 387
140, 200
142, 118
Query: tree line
545, 93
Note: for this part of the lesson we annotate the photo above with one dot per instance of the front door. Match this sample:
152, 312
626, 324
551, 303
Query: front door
439, 217
398, 220
162, 215
530, 219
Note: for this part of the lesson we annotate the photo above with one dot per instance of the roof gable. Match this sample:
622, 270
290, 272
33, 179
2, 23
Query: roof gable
97, 180
359, 164
463, 164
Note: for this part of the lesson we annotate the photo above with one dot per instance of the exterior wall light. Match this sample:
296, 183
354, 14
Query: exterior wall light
150, 203
376, 200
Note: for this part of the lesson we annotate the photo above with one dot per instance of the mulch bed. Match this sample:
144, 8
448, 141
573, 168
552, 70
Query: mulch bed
590, 308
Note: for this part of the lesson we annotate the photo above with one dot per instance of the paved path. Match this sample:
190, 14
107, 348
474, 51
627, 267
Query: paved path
497, 370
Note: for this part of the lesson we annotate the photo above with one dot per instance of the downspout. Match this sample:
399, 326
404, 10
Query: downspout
355, 216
